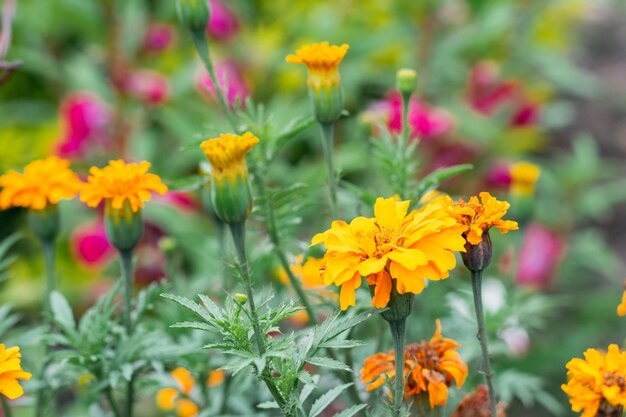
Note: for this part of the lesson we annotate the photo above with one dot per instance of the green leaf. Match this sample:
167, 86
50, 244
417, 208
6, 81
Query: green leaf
194, 325
325, 400
61, 310
342, 344
349, 412
435, 178
327, 363
308, 389
191, 305
267, 405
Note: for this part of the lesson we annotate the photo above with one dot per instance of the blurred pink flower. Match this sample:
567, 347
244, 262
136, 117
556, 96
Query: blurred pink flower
150, 87
541, 253
499, 175
223, 23
516, 340
84, 120
526, 115
230, 80
181, 200
158, 37
90, 245
426, 122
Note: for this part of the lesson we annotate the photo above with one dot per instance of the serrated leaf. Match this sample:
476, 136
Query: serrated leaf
327, 363
326, 399
308, 388
61, 310
191, 305
194, 325
438, 176
342, 344
213, 309
349, 412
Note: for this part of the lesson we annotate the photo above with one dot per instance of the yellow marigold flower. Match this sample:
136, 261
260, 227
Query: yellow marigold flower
322, 61
44, 182
216, 378
178, 398
11, 371
524, 176
621, 309
429, 368
393, 250
230, 193
598, 381
308, 272
120, 183
478, 216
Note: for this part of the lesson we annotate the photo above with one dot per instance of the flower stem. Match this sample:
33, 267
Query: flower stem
202, 46
48, 257
328, 134
5, 407
398, 331
477, 280
112, 404
126, 260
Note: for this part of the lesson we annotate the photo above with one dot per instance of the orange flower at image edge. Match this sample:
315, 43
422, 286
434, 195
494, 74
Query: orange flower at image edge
44, 182
11, 371
597, 381
179, 398
120, 183
430, 366
393, 249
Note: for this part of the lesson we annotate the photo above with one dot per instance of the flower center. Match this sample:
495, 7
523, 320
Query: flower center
384, 238
424, 354
613, 378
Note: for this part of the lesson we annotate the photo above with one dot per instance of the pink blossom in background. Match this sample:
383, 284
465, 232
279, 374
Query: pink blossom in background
149, 87
516, 340
158, 37
90, 245
447, 154
540, 255
499, 175
427, 122
182, 201
231, 82
223, 23
526, 115
84, 120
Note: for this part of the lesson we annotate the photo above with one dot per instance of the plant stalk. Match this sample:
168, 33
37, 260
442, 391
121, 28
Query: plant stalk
398, 331
48, 249
5, 407
112, 404
126, 260
477, 278
328, 134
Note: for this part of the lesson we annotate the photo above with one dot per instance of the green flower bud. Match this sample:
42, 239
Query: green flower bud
194, 14
399, 306
232, 199
241, 298
123, 226
327, 102
406, 81
45, 223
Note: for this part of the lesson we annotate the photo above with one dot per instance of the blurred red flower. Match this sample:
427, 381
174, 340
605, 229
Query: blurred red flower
541, 253
158, 37
231, 82
223, 23
149, 87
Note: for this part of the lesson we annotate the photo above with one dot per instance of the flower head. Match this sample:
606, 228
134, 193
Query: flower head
621, 309
429, 367
11, 371
598, 380
120, 183
309, 273
179, 397
322, 61
392, 250
478, 216
476, 404
44, 182
227, 154
524, 176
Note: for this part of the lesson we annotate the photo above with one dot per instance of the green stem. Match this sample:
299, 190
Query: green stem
224, 406
202, 46
5, 407
403, 142
126, 260
328, 134
398, 331
477, 278
48, 249
112, 404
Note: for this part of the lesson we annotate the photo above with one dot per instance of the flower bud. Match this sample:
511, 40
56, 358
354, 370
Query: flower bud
124, 227
45, 223
241, 298
406, 81
399, 306
194, 14
477, 257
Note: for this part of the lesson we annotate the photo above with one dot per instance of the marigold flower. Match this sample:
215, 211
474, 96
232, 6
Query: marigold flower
308, 272
11, 371
524, 176
216, 378
429, 367
178, 398
597, 381
476, 404
43, 183
230, 190
621, 309
478, 216
120, 183
392, 250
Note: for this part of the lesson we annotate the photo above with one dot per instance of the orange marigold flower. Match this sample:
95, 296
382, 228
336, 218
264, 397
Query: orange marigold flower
524, 176
178, 398
621, 308
393, 249
322, 61
11, 371
476, 404
309, 272
598, 381
227, 154
120, 183
216, 378
478, 216
44, 182
429, 367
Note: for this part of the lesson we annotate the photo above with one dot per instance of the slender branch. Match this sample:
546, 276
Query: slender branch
48, 249
328, 134
477, 278
398, 331
112, 403
126, 259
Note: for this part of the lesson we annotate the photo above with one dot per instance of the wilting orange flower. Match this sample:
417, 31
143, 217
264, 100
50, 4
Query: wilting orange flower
322, 61
524, 176
227, 154
11, 371
476, 404
406, 248
430, 366
478, 216
621, 308
597, 381
44, 182
119, 183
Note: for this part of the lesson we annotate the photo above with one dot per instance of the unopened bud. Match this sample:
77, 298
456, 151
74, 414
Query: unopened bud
124, 227
194, 14
241, 298
44, 223
477, 257
406, 81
